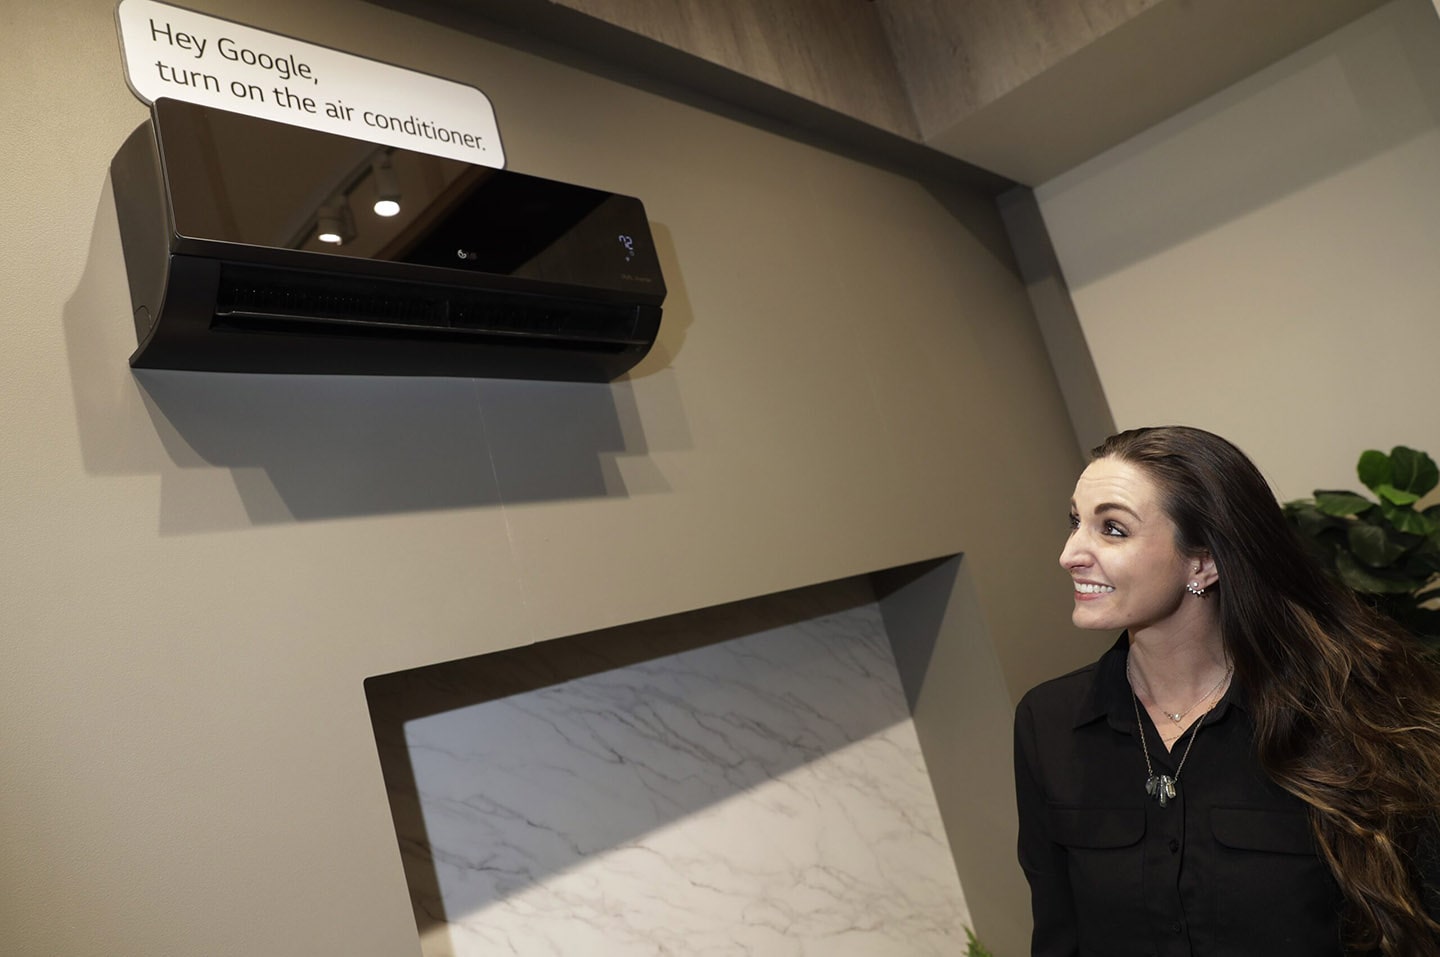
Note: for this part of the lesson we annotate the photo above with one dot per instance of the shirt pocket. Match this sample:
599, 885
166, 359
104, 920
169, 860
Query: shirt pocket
1105, 860
1269, 873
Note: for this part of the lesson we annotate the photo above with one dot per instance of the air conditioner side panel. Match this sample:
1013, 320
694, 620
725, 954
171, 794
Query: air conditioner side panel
142, 207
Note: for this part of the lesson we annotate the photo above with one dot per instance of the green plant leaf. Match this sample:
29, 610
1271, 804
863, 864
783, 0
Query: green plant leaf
1373, 546
1375, 469
1370, 581
1341, 504
1422, 622
1305, 518
1319, 534
973, 947
1425, 559
1408, 520
1414, 471
1419, 563
1396, 496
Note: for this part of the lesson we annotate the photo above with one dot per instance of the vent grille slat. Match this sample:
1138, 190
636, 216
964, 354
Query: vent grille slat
284, 301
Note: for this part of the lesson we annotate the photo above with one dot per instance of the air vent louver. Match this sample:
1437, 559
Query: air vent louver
287, 301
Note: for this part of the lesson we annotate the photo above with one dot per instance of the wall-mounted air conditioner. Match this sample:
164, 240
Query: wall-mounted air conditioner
255, 246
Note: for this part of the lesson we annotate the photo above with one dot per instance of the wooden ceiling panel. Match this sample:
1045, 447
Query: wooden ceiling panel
1008, 90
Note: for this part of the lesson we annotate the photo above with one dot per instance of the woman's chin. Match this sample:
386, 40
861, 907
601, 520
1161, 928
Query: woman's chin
1082, 617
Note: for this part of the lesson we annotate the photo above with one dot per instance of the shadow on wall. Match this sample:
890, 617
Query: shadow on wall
234, 451
506, 769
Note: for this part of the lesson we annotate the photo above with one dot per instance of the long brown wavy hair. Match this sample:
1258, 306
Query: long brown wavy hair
1346, 707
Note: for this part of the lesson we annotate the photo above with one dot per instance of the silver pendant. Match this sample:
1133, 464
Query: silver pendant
1161, 787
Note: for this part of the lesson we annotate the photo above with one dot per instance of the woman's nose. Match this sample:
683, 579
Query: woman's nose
1072, 555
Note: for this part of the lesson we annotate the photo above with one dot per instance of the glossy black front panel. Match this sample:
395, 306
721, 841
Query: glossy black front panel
237, 179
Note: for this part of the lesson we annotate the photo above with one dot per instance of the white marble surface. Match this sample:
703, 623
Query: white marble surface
762, 795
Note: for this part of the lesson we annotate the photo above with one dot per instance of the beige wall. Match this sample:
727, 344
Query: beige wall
199, 571
1264, 264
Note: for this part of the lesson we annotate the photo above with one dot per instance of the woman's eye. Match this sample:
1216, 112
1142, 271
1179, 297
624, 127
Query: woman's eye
1074, 522
1114, 530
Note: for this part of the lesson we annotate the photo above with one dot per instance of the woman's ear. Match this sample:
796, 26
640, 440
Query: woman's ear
1202, 569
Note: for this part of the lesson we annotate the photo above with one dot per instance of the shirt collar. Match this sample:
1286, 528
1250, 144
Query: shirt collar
1110, 695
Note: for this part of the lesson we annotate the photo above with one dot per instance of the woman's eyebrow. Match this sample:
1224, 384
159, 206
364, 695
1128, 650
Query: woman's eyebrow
1104, 507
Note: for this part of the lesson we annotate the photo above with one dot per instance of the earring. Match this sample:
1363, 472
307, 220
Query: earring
1195, 589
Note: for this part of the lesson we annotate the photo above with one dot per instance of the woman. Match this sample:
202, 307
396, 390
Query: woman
1252, 768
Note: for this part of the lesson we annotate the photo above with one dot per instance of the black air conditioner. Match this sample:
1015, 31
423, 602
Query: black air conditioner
254, 246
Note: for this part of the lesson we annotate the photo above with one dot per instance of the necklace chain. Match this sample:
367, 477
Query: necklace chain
1162, 787
1177, 716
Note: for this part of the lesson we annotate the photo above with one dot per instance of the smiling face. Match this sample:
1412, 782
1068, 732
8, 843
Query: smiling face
1121, 553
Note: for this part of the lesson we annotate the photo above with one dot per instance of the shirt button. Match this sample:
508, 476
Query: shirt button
1176, 927
1174, 846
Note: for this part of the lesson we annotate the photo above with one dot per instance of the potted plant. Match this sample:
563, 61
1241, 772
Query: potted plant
1386, 549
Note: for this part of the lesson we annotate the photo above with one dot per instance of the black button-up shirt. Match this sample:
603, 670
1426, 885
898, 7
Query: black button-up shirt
1228, 869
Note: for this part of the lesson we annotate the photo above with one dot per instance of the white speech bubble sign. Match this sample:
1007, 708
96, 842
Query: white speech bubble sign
177, 53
